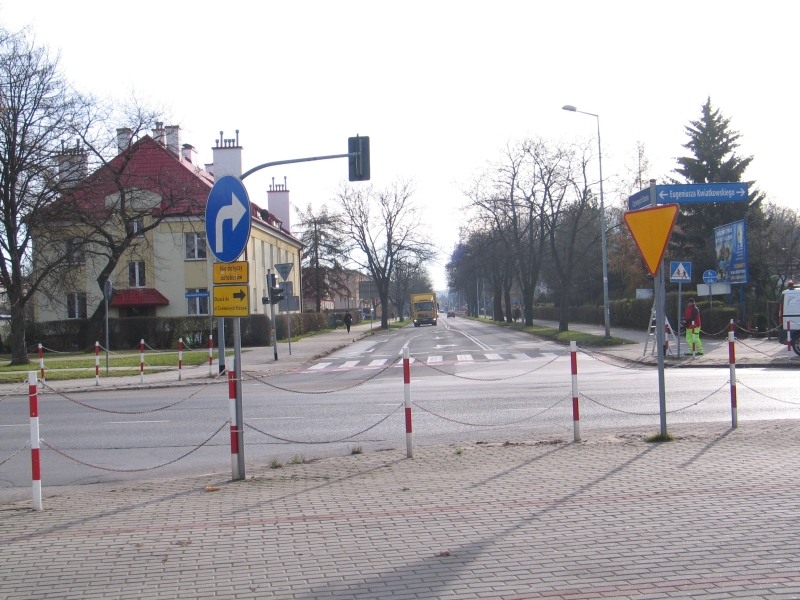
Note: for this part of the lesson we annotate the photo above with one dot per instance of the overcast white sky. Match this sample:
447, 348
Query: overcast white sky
439, 87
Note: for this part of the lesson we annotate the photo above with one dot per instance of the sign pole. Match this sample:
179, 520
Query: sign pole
659, 293
288, 325
272, 315
107, 296
221, 343
237, 370
678, 322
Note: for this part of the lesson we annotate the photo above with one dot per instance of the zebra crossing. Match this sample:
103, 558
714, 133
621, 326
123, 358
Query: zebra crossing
373, 362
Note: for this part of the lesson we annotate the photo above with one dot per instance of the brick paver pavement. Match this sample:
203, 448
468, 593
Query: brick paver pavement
714, 514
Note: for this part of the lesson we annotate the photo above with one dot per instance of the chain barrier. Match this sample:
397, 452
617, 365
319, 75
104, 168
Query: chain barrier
59, 351
723, 330
14, 390
25, 445
127, 412
430, 366
738, 341
739, 382
541, 412
81, 462
640, 414
776, 328
608, 362
253, 377
344, 439
146, 345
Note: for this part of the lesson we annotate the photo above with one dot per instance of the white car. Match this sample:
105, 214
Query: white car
790, 318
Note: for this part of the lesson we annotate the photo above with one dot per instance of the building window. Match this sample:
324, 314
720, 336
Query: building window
76, 305
136, 276
197, 306
74, 252
195, 246
136, 227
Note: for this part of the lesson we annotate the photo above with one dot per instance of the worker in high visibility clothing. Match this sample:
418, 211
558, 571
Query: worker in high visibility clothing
691, 320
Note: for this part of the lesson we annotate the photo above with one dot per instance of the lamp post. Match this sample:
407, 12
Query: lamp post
606, 307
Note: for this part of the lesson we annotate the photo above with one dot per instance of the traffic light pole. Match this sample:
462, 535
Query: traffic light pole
272, 314
298, 160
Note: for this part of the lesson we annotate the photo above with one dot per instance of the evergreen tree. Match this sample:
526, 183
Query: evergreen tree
325, 250
713, 144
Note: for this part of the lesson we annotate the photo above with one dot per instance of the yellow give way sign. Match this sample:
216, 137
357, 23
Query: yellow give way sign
230, 301
651, 228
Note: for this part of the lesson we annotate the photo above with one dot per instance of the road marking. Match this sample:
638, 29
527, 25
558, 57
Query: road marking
378, 362
126, 422
480, 344
319, 366
19, 425
521, 356
434, 359
349, 363
549, 354
465, 357
272, 418
493, 356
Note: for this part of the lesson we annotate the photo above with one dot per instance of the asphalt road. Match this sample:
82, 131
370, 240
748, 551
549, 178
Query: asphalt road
471, 381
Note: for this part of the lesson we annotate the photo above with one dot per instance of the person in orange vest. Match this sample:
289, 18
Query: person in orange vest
691, 320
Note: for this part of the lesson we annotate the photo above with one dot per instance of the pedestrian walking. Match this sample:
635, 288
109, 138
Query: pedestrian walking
691, 321
348, 320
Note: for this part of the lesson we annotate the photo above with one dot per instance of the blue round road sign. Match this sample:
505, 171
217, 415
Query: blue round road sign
227, 219
710, 277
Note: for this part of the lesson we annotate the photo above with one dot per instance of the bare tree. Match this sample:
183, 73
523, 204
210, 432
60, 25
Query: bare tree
385, 225
409, 277
38, 109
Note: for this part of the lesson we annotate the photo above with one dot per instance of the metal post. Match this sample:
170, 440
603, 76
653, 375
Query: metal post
237, 370
678, 322
272, 315
106, 297
141, 361
97, 363
407, 395
234, 427
576, 418
606, 302
732, 361
288, 321
659, 296
180, 357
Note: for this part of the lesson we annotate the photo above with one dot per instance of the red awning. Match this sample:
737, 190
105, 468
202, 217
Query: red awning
139, 297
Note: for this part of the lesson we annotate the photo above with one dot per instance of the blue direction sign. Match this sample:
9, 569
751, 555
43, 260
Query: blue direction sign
227, 219
710, 277
680, 272
691, 194
198, 294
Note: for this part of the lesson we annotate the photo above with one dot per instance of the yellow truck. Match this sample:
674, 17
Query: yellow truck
424, 308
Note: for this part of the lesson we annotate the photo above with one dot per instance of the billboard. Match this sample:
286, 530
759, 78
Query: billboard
730, 248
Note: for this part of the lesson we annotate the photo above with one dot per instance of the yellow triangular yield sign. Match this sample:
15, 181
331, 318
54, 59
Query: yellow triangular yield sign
651, 228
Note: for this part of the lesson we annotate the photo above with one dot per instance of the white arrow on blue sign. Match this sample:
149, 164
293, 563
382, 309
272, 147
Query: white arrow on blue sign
227, 219
691, 194
710, 277
680, 272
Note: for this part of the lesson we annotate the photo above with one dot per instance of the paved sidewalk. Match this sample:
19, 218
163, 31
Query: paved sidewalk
714, 514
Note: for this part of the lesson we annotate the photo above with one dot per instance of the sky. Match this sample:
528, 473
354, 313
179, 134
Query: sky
439, 86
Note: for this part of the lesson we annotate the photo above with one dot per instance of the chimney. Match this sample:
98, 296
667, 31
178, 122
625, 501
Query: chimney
190, 154
174, 139
73, 165
159, 134
278, 203
124, 135
227, 156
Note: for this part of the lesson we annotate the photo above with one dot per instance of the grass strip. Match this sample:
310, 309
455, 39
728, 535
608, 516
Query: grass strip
562, 337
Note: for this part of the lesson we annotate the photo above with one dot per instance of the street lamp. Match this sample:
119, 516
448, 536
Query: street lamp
606, 307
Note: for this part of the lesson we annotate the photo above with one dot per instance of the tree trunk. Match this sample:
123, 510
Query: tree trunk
19, 351
497, 304
384, 309
507, 296
563, 315
527, 299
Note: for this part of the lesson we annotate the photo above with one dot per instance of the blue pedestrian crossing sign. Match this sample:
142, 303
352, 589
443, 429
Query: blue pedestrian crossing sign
680, 272
227, 219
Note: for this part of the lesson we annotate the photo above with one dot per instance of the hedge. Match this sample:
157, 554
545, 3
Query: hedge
308, 322
157, 332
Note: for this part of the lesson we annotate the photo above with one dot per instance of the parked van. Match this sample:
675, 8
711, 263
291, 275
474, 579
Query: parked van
789, 312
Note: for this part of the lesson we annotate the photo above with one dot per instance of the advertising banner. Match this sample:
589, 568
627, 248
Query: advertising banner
730, 246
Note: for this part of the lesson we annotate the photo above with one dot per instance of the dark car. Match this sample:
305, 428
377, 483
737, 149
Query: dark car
451, 313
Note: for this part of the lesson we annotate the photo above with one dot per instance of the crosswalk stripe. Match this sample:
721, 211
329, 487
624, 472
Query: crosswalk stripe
465, 357
549, 354
433, 359
378, 362
521, 356
319, 366
493, 356
348, 364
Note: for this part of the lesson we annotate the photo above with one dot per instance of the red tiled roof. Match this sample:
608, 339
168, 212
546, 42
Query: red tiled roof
139, 297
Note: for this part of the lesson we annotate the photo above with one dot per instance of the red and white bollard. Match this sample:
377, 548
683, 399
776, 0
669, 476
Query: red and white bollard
97, 363
407, 394
576, 415
732, 361
41, 361
234, 428
180, 357
141, 361
788, 336
210, 355
36, 471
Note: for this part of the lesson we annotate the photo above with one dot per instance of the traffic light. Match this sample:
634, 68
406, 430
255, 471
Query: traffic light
358, 149
275, 293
